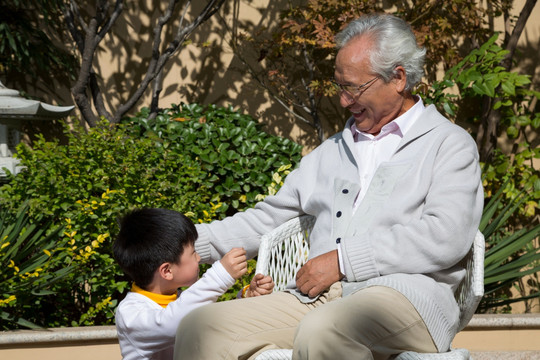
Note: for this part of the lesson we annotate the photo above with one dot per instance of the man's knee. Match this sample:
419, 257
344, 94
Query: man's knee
197, 322
313, 327
202, 331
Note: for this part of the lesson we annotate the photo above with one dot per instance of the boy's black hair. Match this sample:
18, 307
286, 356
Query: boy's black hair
149, 238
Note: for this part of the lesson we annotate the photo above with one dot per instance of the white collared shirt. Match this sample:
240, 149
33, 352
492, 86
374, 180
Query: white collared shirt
372, 151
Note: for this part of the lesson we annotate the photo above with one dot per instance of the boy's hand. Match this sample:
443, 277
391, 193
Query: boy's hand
260, 285
235, 262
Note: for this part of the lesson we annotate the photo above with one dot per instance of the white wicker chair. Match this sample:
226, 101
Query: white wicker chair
285, 249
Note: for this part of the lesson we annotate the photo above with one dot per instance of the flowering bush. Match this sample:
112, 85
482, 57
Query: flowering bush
81, 188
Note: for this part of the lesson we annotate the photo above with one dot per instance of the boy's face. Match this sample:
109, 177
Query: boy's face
186, 272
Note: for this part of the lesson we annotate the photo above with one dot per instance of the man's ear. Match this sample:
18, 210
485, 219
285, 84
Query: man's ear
164, 271
400, 78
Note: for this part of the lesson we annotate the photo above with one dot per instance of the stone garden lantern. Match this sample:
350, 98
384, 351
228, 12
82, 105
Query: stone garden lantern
14, 111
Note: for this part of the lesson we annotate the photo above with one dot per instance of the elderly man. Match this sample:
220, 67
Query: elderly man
397, 198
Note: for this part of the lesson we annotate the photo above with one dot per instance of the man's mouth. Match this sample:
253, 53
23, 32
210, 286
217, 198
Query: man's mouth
358, 112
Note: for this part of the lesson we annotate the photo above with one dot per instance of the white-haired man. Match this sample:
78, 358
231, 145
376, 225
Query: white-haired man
397, 198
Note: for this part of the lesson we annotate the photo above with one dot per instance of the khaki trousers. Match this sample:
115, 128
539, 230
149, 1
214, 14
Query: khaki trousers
373, 323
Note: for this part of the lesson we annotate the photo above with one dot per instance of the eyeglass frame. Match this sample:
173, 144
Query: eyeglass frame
357, 88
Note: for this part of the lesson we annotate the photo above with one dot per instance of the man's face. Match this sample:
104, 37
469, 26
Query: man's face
375, 104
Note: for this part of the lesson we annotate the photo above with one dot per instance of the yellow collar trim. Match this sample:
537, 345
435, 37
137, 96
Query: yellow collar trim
161, 300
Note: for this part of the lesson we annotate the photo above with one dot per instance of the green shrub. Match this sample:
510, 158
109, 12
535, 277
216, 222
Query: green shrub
237, 156
33, 257
480, 75
101, 173
512, 253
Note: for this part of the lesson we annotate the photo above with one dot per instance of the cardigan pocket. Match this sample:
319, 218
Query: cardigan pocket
385, 179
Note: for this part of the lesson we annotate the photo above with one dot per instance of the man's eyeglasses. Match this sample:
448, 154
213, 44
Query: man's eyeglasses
355, 90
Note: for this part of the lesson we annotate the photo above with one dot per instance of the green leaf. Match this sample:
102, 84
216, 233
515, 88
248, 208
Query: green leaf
512, 132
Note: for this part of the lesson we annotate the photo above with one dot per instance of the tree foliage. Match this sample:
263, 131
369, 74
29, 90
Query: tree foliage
294, 61
30, 38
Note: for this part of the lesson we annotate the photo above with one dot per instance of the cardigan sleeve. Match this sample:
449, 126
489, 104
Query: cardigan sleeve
244, 229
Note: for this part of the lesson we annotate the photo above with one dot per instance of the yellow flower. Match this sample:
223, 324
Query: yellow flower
276, 177
101, 237
284, 167
47, 252
71, 234
4, 245
8, 300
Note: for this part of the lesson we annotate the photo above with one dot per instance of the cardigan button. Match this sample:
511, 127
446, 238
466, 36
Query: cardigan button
338, 214
338, 240
345, 191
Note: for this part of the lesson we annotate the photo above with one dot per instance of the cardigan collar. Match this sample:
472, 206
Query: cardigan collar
430, 119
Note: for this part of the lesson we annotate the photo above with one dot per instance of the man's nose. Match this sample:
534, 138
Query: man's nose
345, 99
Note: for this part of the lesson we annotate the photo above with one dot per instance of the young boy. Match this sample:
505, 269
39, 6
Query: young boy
155, 247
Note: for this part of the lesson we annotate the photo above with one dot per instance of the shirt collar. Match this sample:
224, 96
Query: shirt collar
398, 126
162, 300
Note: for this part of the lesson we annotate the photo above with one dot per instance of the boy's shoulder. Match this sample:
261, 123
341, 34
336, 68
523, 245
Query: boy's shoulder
134, 300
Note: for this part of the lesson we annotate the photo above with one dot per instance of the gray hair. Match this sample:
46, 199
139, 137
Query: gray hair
395, 45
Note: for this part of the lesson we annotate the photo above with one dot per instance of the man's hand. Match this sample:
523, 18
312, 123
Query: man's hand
318, 274
235, 262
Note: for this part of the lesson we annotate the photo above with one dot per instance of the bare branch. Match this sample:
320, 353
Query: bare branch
71, 15
512, 41
87, 45
119, 7
158, 61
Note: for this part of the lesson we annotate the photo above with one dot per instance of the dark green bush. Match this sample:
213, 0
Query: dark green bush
238, 157
101, 173
32, 261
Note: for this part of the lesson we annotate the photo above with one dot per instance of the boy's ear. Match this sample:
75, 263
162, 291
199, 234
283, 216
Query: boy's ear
164, 271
